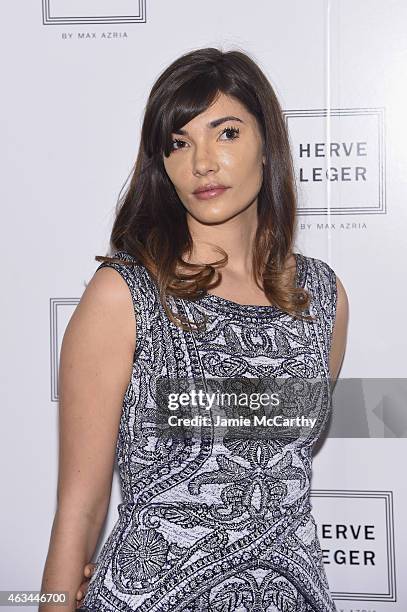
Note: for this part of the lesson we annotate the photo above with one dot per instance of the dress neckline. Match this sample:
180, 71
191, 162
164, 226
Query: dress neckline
224, 304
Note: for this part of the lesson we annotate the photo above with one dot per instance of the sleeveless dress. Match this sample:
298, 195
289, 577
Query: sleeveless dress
216, 527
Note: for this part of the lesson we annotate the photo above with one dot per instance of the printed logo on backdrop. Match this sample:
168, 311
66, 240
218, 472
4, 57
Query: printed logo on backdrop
60, 312
356, 533
339, 159
71, 12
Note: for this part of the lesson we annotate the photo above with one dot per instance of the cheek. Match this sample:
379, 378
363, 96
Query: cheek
243, 158
176, 173
246, 170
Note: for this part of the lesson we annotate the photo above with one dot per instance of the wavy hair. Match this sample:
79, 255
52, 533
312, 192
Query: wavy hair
151, 223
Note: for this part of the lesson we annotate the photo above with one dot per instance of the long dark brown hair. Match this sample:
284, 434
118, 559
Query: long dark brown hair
151, 222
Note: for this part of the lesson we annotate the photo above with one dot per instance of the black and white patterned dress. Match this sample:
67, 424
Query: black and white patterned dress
217, 527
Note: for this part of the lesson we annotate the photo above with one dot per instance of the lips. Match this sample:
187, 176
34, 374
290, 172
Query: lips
210, 187
210, 192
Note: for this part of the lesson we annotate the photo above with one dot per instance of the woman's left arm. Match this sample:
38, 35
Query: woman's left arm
339, 333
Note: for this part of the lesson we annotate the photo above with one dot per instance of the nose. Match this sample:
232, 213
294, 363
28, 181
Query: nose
204, 160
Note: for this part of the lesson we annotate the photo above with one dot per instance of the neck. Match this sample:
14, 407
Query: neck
236, 236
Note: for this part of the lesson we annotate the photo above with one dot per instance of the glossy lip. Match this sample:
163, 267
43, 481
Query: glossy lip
210, 193
210, 187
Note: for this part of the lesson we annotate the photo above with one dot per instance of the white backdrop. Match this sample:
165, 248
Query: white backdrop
75, 78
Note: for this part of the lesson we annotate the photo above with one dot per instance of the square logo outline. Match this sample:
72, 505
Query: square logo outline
355, 209
387, 497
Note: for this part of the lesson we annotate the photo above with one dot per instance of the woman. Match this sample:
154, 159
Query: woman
206, 525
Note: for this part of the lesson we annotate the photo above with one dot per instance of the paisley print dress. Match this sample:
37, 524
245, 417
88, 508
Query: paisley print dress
216, 526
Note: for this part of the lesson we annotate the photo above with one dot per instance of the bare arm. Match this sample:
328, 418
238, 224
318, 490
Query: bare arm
339, 334
95, 369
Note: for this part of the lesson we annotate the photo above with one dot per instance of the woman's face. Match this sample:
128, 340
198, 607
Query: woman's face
228, 153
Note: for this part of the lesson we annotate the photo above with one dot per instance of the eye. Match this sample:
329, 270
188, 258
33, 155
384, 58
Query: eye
227, 130
233, 130
176, 141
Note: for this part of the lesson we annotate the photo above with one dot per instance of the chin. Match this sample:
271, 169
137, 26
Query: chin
215, 217
211, 211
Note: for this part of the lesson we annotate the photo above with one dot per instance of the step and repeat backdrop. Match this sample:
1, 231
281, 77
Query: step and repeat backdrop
75, 78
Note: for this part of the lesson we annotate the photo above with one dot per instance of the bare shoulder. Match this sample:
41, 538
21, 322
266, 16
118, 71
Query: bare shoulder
107, 303
102, 329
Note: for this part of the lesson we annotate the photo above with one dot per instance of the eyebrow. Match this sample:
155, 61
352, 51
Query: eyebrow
211, 124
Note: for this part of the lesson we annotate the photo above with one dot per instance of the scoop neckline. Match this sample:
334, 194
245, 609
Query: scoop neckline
217, 300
